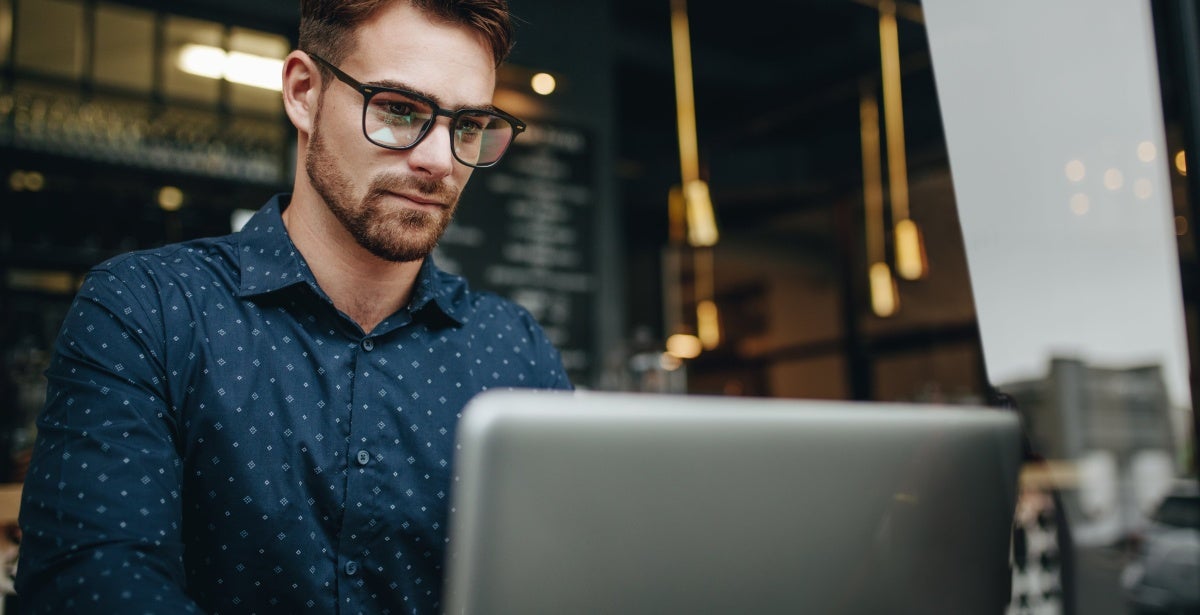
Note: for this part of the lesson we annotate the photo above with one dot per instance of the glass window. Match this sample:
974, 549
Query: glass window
50, 37
1072, 212
186, 73
124, 47
262, 65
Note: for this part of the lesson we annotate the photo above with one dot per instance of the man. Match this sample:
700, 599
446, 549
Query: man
264, 422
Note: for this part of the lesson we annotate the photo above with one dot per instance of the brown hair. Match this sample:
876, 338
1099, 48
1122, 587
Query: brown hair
327, 27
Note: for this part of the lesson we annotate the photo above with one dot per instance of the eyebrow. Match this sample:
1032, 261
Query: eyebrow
399, 85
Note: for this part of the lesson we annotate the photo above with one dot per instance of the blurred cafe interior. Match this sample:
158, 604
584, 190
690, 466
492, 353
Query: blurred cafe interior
896, 201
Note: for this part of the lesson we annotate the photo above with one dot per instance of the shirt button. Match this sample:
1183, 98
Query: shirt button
363, 458
368, 345
351, 567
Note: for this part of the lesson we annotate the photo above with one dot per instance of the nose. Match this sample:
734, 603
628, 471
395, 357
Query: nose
432, 156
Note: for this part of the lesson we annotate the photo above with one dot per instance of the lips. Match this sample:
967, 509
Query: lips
420, 200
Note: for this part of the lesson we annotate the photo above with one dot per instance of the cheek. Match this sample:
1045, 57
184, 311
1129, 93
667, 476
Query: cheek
342, 131
461, 174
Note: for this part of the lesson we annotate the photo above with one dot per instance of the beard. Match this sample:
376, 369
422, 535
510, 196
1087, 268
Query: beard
391, 233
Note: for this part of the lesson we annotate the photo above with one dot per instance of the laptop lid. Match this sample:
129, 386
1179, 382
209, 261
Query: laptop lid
633, 503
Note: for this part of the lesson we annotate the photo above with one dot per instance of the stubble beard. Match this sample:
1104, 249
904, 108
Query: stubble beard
391, 233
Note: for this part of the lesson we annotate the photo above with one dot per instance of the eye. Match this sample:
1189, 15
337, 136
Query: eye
468, 130
394, 113
399, 108
396, 109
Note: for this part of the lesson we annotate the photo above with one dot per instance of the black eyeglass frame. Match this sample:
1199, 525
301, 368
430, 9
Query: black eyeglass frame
368, 91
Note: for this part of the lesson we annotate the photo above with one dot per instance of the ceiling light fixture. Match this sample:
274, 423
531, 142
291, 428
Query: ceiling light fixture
689, 205
543, 83
233, 66
911, 262
885, 297
684, 346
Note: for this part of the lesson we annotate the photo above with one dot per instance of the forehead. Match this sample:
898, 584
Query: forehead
400, 43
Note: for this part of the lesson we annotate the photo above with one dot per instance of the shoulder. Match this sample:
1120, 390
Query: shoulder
489, 308
501, 324
484, 312
472, 307
182, 266
505, 324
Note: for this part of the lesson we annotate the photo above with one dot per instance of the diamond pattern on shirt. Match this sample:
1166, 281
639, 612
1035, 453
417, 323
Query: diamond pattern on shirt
218, 436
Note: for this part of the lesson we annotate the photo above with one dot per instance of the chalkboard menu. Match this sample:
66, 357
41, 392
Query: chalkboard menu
524, 230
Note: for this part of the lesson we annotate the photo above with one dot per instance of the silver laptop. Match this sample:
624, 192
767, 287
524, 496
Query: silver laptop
631, 503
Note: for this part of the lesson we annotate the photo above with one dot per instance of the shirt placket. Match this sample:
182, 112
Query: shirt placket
365, 454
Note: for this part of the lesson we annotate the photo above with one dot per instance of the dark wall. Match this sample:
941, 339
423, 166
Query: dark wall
575, 41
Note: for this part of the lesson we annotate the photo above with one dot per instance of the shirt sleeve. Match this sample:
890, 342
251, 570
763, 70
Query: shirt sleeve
101, 511
550, 372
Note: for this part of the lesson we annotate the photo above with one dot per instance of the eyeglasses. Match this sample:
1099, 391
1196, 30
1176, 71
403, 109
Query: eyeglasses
398, 119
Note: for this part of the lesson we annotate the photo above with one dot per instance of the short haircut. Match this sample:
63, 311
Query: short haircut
327, 27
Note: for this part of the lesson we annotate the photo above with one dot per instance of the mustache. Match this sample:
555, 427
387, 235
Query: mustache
407, 184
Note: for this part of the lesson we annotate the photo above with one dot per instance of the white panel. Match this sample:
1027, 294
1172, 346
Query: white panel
6, 29
1062, 263
50, 37
124, 47
264, 45
183, 31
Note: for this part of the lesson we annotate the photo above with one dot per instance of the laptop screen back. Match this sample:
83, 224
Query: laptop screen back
629, 503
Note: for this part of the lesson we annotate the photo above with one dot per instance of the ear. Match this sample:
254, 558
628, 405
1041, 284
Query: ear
301, 91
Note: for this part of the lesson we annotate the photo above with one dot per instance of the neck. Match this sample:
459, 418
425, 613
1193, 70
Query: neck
361, 285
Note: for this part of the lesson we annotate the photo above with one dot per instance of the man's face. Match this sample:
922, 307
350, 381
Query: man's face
397, 204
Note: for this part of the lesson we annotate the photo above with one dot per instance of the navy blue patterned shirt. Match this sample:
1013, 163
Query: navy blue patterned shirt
219, 438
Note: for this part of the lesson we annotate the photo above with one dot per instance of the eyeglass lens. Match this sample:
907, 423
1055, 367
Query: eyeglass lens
395, 120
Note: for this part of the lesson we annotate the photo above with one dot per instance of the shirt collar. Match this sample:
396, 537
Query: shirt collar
267, 258
269, 262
